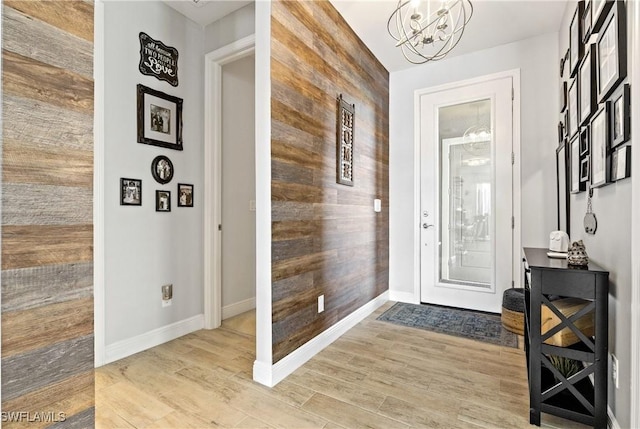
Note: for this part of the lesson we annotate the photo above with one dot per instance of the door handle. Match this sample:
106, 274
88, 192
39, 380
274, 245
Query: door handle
426, 226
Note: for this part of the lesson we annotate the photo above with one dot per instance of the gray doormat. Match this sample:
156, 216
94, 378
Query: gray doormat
474, 325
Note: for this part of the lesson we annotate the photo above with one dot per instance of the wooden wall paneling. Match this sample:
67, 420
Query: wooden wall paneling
326, 239
47, 199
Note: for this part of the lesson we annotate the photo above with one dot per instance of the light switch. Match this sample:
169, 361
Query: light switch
377, 205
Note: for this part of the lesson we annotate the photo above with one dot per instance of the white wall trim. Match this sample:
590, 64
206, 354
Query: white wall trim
272, 375
213, 173
612, 423
634, 78
516, 209
408, 297
131, 346
238, 308
99, 316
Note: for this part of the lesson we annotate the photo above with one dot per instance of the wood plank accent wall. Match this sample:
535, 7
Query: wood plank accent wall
47, 226
326, 238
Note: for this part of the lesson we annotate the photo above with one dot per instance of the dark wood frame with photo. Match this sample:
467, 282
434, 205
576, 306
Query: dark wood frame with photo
619, 172
586, 22
154, 169
620, 115
600, 165
188, 203
562, 183
585, 143
158, 208
573, 109
575, 39
122, 192
145, 133
599, 11
575, 185
614, 27
588, 103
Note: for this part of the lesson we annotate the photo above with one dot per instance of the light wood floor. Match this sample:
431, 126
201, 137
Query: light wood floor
378, 375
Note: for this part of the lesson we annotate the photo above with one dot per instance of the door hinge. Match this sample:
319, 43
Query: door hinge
513, 222
513, 283
513, 158
219, 227
513, 94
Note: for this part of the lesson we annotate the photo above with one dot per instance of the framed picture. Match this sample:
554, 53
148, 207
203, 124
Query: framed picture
185, 195
621, 163
612, 51
563, 62
584, 141
130, 192
599, 146
162, 169
573, 108
566, 122
584, 169
599, 10
575, 39
345, 130
586, 22
563, 96
574, 167
159, 118
163, 201
620, 115
586, 78
562, 187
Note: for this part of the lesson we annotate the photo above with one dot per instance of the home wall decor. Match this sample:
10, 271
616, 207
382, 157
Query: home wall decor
599, 147
575, 39
158, 60
586, 75
573, 109
612, 51
130, 192
162, 169
185, 195
620, 115
344, 148
576, 185
159, 118
621, 163
562, 187
163, 201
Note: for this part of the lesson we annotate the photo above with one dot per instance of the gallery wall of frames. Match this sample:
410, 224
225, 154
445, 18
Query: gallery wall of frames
594, 129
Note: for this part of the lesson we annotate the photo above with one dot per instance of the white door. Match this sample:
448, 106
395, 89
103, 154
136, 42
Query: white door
466, 186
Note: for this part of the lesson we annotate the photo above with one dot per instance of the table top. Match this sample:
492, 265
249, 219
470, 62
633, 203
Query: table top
537, 258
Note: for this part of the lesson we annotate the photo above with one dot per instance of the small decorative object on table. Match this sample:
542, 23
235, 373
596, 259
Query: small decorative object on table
577, 254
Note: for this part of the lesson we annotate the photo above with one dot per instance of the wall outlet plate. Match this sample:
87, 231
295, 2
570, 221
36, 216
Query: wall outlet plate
166, 303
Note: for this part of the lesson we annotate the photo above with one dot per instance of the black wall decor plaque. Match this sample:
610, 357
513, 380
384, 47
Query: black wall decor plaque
158, 59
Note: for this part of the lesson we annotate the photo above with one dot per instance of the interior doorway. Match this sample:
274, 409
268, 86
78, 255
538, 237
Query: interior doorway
466, 194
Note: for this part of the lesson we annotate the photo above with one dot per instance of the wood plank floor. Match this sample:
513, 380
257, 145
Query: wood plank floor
378, 375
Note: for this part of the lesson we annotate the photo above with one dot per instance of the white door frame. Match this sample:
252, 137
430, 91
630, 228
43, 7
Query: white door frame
516, 209
213, 62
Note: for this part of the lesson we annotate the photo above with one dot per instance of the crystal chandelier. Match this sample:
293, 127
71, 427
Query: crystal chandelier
428, 32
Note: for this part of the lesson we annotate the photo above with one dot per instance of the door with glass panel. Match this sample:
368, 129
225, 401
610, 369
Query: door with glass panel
466, 229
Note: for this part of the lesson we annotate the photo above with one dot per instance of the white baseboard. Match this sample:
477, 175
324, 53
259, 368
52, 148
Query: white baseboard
270, 375
407, 297
238, 308
130, 346
612, 423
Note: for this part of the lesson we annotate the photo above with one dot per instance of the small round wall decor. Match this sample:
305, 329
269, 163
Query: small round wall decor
162, 169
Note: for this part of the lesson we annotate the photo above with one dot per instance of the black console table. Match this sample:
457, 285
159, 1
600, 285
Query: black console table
583, 396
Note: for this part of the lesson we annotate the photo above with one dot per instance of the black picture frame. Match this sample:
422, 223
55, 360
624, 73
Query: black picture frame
620, 120
130, 192
586, 22
575, 185
588, 103
566, 122
599, 11
162, 169
560, 132
585, 142
599, 151
575, 39
611, 48
562, 186
621, 163
573, 109
159, 118
163, 201
185, 195
563, 96
584, 169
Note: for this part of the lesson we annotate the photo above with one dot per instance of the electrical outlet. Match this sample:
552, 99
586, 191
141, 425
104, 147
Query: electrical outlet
615, 370
320, 303
167, 295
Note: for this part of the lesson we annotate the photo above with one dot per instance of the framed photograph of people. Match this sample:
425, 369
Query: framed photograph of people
185, 195
573, 108
621, 163
159, 118
575, 39
130, 192
586, 77
574, 167
162, 169
163, 201
620, 115
599, 146
599, 10
611, 50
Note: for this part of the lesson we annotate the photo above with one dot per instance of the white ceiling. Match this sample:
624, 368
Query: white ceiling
204, 12
494, 23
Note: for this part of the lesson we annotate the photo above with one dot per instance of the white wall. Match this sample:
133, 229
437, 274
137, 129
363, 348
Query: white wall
537, 58
238, 184
610, 248
145, 249
232, 27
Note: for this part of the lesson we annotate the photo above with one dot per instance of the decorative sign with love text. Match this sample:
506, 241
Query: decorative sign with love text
158, 59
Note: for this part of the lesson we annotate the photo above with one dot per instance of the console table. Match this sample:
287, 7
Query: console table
583, 396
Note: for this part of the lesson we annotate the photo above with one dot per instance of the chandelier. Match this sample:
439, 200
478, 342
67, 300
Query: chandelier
428, 32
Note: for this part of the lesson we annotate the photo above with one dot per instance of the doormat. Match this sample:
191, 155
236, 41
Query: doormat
474, 325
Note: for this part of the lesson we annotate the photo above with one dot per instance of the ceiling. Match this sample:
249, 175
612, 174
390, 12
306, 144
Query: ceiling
494, 22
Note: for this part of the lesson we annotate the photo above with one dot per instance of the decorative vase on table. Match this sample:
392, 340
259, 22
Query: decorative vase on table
577, 254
